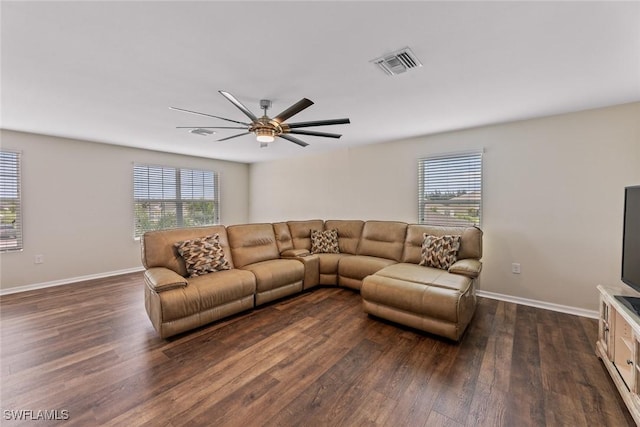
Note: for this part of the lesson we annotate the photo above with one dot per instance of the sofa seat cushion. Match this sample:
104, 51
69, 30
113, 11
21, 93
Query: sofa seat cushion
351, 270
205, 292
426, 276
276, 273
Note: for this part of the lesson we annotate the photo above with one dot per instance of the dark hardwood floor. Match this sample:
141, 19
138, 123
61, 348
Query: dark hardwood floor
312, 360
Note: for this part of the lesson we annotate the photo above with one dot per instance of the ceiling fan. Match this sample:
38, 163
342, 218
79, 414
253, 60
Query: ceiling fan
265, 128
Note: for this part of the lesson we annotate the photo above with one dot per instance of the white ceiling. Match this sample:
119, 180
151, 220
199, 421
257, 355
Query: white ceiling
108, 71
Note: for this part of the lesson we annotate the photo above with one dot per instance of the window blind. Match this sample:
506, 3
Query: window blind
168, 197
450, 190
10, 202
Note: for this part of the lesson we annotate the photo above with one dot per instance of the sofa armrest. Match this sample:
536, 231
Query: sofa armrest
160, 279
467, 267
292, 253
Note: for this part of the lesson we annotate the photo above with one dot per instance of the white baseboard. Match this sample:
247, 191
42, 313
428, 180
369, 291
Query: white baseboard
16, 289
541, 304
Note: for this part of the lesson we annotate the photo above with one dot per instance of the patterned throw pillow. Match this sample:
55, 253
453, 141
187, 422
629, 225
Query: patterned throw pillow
203, 255
324, 242
439, 252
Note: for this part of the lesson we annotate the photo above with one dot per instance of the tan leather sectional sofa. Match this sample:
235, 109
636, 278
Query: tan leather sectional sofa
271, 261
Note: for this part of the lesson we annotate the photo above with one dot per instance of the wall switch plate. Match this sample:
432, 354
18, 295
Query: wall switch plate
515, 268
38, 259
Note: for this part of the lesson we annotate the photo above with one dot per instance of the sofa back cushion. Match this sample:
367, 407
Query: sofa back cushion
251, 243
283, 236
470, 241
301, 232
349, 233
158, 248
383, 239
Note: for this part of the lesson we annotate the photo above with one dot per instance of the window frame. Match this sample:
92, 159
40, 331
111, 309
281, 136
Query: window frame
18, 224
450, 177
179, 201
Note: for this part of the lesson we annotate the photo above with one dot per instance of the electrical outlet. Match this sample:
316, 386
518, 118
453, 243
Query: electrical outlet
38, 259
515, 268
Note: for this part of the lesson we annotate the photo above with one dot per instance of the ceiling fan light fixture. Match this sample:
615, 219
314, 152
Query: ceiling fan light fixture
265, 138
265, 135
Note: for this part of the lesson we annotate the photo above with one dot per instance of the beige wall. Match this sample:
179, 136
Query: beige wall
78, 206
553, 196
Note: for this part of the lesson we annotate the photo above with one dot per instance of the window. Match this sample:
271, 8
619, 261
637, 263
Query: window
10, 206
167, 197
450, 190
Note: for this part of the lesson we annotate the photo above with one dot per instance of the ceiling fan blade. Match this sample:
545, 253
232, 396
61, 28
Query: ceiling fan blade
293, 110
238, 104
234, 136
314, 133
208, 115
294, 140
319, 123
210, 127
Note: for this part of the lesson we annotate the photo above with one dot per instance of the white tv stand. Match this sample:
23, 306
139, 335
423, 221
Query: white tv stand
618, 345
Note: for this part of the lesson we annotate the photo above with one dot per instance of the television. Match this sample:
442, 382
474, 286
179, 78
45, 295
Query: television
631, 246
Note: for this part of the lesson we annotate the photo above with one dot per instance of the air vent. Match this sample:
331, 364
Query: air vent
397, 62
